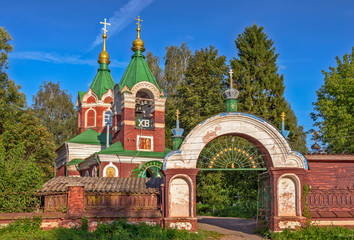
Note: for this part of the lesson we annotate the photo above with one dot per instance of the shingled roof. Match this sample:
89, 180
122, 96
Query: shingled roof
104, 184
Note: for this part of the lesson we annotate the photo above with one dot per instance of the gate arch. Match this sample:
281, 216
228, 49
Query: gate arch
265, 136
279, 158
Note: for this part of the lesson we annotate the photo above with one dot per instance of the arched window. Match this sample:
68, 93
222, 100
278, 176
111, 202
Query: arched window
144, 109
90, 118
87, 173
94, 172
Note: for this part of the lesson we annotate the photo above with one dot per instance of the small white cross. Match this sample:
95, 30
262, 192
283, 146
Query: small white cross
105, 25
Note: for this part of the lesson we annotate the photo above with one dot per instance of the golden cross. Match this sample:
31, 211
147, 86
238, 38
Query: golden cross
177, 114
230, 73
139, 20
105, 25
315, 134
283, 116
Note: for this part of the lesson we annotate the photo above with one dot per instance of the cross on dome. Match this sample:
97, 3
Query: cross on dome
139, 20
177, 114
315, 134
105, 23
283, 116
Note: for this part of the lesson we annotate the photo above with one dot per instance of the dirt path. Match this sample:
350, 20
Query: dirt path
233, 228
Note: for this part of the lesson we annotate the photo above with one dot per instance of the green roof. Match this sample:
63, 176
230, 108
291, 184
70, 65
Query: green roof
103, 81
117, 148
81, 94
91, 137
137, 71
75, 162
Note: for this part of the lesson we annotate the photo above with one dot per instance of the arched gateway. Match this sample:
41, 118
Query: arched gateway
286, 169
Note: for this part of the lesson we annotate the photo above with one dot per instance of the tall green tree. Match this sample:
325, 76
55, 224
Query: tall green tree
12, 100
176, 63
200, 94
53, 106
334, 108
261, 86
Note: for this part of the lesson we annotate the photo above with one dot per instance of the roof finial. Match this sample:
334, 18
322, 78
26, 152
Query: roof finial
177, 114
231, 72
104, 57
315, 147
138, 44
283, 131
283, 116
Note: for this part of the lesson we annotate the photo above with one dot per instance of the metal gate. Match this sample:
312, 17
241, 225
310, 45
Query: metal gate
264, 200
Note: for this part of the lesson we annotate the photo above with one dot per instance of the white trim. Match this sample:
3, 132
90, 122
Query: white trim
110, 165
86, 113
145, 150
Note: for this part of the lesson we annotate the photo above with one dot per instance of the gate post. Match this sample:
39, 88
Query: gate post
286, 191
180, 199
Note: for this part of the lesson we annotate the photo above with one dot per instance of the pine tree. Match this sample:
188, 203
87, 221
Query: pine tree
334, 108
154, 64
200, 94
261, 86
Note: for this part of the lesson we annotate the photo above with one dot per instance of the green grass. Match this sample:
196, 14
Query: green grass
241, 210
30, 229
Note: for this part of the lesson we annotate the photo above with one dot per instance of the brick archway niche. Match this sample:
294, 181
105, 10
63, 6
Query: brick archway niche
286, 169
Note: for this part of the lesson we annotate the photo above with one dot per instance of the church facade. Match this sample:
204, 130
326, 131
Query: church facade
121, 127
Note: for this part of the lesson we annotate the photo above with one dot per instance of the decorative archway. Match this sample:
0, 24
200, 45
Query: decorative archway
279, 157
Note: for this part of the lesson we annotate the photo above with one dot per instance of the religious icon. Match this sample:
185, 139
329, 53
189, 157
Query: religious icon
110, 172
145, 143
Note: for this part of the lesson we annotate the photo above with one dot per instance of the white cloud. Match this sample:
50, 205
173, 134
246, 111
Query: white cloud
62, 59
123, 17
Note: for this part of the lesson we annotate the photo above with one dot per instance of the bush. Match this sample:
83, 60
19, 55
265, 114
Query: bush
315, 232
30, 229
241, 209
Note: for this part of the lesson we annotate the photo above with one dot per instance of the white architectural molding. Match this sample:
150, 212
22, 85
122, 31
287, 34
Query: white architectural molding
269, 140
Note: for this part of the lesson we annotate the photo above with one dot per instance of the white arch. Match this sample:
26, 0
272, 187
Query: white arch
110, 165
268, 139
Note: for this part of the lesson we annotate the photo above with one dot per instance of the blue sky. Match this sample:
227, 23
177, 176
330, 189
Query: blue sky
61, 40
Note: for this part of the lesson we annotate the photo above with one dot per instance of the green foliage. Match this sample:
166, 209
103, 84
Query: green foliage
12, 101
154, 64
26, 229
306, 212
53, 106
261, 86
334, 108
315, 233
200, 94
242, 209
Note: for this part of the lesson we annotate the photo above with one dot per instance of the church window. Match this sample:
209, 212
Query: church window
91, 117
144, 109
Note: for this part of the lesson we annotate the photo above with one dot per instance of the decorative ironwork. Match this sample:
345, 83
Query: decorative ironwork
148, 169
330, 200
231, 153
263, 200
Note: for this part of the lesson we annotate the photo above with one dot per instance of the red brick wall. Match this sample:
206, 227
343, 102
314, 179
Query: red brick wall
60, 172
124, 169
75, 204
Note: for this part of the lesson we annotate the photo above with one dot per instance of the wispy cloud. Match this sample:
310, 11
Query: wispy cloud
62, 59
123, 17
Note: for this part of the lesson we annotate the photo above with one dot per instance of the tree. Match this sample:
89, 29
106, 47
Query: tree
33, 138
154, 64
176, 63
12, 101
334, 108
261, 86
53, 106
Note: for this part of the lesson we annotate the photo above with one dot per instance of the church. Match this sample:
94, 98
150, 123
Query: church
121, 127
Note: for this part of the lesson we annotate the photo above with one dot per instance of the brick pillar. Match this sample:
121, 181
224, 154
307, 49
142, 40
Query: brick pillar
75, 205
